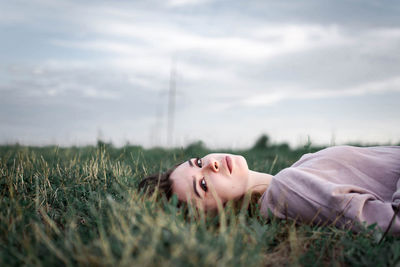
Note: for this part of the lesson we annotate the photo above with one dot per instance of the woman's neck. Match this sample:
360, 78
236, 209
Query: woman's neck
258, 181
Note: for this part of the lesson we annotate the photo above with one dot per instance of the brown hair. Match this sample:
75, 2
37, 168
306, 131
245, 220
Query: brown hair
160, 182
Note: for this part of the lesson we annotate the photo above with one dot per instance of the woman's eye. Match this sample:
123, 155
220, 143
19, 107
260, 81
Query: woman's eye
199, 162
203, 185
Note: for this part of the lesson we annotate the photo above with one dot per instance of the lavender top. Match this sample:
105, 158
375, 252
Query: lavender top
339, 185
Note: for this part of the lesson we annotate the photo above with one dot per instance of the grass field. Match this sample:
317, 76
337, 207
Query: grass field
79, 206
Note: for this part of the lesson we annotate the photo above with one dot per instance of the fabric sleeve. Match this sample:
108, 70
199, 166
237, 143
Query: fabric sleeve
365, 208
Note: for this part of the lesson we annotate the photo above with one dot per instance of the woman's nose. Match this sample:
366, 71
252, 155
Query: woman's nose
214, 165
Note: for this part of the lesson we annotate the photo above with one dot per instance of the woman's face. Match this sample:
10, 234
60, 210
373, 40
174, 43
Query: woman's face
224, 176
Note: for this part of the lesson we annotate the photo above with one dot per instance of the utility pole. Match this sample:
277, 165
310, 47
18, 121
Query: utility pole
171, 104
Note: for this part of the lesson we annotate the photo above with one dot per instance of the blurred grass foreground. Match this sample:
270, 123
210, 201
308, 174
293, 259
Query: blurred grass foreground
80, 207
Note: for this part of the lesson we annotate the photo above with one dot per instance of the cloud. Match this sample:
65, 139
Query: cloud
258, 43
180, 3
109, 64
390, 85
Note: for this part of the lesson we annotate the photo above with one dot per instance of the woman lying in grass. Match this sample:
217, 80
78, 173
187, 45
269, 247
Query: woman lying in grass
344, 185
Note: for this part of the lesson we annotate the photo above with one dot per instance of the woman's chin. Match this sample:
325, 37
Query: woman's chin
241, 166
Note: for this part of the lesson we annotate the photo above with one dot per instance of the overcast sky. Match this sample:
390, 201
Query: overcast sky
75, 71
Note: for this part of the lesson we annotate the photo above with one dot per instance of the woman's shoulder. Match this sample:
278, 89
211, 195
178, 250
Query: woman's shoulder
347, 154
356, 149
334, 150
294, 191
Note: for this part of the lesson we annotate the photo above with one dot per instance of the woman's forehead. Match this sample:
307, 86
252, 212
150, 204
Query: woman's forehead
182, 171
182, 178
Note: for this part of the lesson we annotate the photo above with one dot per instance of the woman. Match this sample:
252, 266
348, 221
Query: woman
344, 185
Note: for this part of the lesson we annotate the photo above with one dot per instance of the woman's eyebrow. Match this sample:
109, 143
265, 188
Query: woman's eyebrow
194, 187
190, 163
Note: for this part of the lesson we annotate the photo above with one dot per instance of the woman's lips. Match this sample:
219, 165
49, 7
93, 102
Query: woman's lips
229, 163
